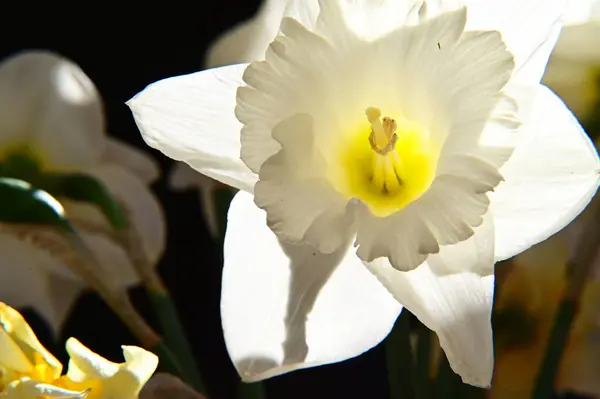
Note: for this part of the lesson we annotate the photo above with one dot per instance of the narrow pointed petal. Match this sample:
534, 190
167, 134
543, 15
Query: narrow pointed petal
49, 104
287, 307
191, 118
135, 160
456, 305
550, 178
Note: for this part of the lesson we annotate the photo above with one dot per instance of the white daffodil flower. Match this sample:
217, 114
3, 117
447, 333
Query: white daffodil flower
417, 131
51, 111
574, 68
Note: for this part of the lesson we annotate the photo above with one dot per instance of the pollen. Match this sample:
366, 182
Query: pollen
383, 135
387, 162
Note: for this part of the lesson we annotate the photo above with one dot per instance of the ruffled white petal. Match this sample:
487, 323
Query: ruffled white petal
301, 205
249, 40
465, 77
191, 118
141, 206
530, 28
48, 103
549, 179
289, 307
135, 160
454, 299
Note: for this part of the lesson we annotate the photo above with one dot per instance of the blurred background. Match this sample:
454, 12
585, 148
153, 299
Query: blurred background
123, 47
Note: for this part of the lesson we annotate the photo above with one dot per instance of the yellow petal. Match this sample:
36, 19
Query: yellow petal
123, 381
31, 389
20, 350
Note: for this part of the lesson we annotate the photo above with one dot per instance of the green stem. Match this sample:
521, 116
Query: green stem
554, 351
399, 358
175, 336
423, 382
118, 300
167, 361
579, 269
253, 390
164, 308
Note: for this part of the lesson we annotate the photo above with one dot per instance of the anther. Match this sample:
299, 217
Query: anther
383, 135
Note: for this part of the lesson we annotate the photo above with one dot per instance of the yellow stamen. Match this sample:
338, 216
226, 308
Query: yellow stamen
387, 164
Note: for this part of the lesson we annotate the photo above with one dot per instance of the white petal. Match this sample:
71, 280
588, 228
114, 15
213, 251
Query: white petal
338, 309
117, 269
136, 161
48, 102
26, 281
456, 305
304, 11
53, 253
191, 118
301, 206
249, 40
550, 178
530, 28
582, 11
141, 206
366, 18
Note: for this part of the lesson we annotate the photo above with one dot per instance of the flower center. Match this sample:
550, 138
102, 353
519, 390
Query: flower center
387, 163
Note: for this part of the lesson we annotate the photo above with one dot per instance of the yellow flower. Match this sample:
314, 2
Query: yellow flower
28, 370
526, 305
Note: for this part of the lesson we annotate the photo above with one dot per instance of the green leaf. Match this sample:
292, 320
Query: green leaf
22, 203
76, 186
85, 188
176, 338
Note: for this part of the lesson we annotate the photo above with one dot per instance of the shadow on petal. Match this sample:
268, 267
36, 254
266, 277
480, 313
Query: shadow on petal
309, 271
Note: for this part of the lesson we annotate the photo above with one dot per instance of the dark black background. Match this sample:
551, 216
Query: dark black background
123, 47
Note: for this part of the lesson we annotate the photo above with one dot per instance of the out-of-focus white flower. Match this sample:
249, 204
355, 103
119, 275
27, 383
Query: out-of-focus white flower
247, 41
417, 130
52, 112
573, 71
